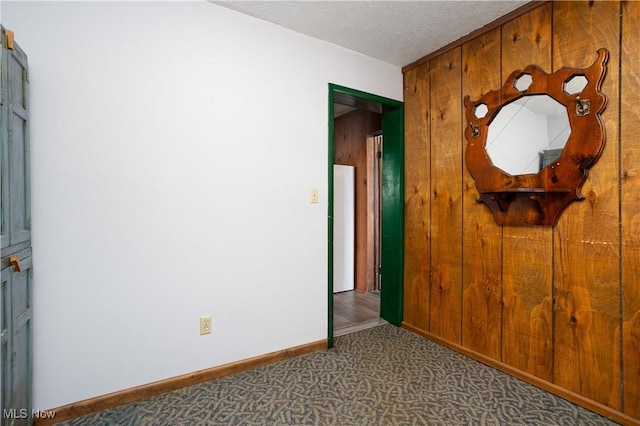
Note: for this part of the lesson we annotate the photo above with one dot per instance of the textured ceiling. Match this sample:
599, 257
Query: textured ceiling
398, 32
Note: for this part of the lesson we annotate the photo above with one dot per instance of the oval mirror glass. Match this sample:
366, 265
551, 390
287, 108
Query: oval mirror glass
528, 134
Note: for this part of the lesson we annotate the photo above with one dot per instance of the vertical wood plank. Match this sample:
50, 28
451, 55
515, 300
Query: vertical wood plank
373, 211
446, 193
586, 244
350, 149
630, 185
482, 243
417, 198
527, 261
571, 315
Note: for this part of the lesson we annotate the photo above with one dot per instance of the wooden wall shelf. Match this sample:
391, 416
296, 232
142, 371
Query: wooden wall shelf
539, 197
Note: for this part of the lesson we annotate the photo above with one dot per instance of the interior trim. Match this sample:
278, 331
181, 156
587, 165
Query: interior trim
587, 403
462, 40
392, 216
92, 405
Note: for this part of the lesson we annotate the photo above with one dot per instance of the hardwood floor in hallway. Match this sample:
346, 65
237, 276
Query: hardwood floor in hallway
354, 311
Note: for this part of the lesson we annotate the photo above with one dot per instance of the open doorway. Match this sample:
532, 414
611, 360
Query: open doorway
358, 124
357, 186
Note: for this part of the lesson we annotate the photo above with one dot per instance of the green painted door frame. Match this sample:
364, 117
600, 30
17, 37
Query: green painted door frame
392, 250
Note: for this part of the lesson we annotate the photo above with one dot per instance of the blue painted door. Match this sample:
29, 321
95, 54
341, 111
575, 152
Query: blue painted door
16, 207
15, 237
15, 317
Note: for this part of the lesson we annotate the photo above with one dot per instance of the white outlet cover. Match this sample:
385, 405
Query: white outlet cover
205, 325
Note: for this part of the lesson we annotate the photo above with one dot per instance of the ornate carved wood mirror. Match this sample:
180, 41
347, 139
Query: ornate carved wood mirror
531, 143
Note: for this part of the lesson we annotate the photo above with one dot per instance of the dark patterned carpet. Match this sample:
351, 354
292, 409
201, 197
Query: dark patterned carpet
380, 376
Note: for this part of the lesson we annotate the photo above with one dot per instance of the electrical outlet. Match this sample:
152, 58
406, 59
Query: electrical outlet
205, 325
313, 196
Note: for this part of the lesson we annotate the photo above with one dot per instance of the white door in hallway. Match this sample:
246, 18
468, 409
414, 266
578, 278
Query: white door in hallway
343, 228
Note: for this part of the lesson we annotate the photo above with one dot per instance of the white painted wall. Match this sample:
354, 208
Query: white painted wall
164, 136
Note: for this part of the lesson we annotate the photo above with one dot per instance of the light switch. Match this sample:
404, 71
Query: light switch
313, 197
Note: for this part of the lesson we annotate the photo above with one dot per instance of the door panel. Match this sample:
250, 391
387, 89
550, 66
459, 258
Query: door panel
18, 148
21, 359
16, 336
5, 320
392, 227
4, 147
15, 224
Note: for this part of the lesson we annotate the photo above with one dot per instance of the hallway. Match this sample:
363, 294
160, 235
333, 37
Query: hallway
354, 311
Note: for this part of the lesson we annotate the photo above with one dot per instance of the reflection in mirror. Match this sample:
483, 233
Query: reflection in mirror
481, 111
528, 134
532, 151
523, 82
575, 84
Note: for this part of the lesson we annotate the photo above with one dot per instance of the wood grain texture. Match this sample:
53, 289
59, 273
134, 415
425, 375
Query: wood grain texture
571, 294
527, 40
476, 33
586, 244
353, 307
417, 267
446, 196
543, 384
482, 243
527, 257
350, 132
630, 185
373, 211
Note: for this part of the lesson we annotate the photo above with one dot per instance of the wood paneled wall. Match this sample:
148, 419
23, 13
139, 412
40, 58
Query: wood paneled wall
350, 149
557, 306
